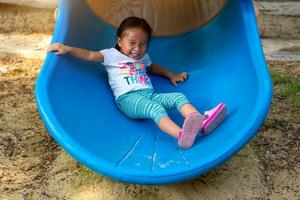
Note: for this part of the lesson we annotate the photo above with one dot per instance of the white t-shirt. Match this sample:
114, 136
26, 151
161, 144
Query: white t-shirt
126, 74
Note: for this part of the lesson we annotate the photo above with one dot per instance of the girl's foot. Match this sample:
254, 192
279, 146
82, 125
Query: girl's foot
214, 117
190, 128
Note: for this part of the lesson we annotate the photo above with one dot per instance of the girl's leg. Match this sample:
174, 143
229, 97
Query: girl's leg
193, 119
138, 105
169, 127
187, 109
175, 100
185, 135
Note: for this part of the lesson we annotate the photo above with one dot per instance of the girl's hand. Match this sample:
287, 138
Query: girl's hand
59, 48
178, 78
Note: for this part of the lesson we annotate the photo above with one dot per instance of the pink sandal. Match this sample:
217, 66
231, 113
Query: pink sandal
215, 116
190, 128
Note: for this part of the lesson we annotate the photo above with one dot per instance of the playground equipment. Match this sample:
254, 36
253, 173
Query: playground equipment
225, 61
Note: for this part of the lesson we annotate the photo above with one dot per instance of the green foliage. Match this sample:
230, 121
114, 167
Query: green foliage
85, 172
287, 86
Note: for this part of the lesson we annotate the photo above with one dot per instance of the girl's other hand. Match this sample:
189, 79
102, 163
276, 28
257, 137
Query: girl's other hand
178, 78
60, 49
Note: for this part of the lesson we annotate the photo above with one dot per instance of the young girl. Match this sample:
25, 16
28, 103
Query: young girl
127, 65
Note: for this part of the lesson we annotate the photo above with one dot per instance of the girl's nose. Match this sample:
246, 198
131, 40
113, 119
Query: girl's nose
137, 48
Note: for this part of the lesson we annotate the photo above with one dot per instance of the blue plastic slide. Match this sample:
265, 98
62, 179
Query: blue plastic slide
225, 62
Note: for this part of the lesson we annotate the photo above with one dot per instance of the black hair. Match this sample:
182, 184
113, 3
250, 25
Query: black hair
133, 22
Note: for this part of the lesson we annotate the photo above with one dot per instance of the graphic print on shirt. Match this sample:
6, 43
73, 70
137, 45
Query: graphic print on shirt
135, 73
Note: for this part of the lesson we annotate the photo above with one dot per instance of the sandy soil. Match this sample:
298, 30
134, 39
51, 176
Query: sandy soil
25, 19
33, 166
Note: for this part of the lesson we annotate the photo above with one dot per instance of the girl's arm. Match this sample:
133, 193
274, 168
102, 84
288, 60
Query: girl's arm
82, 54
174, 78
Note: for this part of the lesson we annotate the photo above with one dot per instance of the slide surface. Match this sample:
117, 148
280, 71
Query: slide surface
225, 62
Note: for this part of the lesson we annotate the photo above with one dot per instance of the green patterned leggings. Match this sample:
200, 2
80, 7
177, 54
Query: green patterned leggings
146, 104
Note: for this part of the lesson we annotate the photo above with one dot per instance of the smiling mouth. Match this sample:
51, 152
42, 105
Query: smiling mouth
135, 55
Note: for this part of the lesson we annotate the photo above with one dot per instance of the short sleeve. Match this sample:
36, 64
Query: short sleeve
107, 55
147, 60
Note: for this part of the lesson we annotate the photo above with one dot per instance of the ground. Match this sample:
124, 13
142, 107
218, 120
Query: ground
34, 166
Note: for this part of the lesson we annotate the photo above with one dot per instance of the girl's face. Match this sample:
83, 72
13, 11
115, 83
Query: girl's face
133, 43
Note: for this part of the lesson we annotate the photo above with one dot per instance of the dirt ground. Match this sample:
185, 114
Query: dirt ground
25, 19
33, 166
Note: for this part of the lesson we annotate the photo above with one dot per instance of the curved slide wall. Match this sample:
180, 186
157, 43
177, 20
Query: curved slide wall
226, 64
